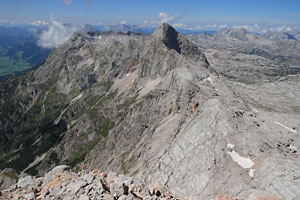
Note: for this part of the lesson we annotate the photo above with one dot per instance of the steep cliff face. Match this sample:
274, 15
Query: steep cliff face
154, 108
59, 111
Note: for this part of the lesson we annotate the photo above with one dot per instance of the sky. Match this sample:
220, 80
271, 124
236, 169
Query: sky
193, 14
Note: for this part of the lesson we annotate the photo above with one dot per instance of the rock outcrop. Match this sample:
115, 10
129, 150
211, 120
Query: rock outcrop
62, 183
174, 40
8, 177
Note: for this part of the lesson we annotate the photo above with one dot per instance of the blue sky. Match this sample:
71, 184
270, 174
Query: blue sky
184, 13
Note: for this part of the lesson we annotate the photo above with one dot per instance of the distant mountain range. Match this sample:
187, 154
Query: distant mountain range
141, 29
244, 35
19, 50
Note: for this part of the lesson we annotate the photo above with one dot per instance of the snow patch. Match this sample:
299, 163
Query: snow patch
288, 128
291, 147
230, 146
76, 98
243, 162
208, 80
251, 172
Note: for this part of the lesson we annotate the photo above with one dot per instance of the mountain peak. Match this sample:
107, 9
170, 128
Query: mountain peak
169, 36
174, 40
165, 28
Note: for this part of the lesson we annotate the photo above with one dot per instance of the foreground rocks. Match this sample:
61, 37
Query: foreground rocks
8, 177
62, 183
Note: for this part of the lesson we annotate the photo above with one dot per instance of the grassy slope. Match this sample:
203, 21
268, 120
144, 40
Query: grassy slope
21, 56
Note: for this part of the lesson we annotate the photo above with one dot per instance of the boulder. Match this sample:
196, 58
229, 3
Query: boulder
26, 181
118, 184
157, 189
59, 169
84, 197
8, 177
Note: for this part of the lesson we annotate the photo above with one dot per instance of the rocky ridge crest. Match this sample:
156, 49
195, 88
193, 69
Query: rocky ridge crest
62, 183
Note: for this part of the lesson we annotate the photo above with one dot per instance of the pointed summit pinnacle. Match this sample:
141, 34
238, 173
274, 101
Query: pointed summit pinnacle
169, 36
174, 40
164, 29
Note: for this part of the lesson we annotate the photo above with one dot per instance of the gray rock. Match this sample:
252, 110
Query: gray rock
88, 178
26, 181
30, 196
83, 197
74, 187
95, 187
151, 198
58, 169
127, 197
8, 177
69, 186
107, 197
118, 184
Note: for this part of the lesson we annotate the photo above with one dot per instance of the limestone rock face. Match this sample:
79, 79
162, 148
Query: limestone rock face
213, 119
174, 40
169, 36
25, 181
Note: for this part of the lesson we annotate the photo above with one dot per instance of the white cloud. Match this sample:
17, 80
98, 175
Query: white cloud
283, 28
68, 2
165, 17
254, 28
179, 25
223, 26
123, 22
56, 34
207, 27
146, 23
251, 28
39, 23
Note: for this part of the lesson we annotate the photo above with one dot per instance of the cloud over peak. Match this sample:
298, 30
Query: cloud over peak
39, 23
123, 22
179, 25
55, 33
165, 17
284, 28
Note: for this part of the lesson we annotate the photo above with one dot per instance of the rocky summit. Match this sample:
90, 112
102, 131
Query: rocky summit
62, 183
201, 116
